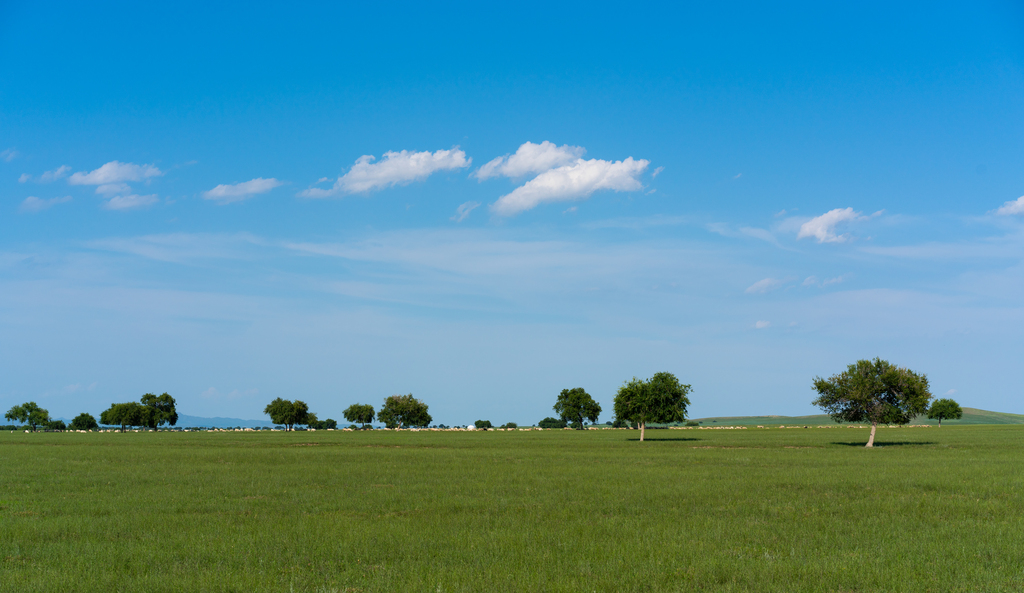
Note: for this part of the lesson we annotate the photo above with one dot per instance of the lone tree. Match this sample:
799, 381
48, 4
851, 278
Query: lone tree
575, 405
28, 413
873, 391
286, 412
945, 409
403, 410
83, 421
662, 398
161, 410
483, 424
361, 413
126, 414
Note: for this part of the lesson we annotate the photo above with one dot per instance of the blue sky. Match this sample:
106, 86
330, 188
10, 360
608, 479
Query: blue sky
483, 206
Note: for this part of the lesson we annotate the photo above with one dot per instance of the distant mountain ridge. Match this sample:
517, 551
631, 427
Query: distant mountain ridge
185, 421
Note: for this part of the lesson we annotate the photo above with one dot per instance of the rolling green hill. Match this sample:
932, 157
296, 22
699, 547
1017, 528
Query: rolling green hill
971, 416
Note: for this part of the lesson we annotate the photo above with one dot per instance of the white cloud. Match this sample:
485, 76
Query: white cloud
951, 392
835, 280
572, 182
1012, 207
130, 202
395, 168
34, 204
109, 189
115, 172
48, 176
656, 171
810, 281
9, 155
823, 227
762, 324
530, 158
763, 286
225, 194
463, 211
24, 177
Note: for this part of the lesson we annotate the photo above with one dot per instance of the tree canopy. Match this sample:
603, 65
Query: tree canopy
126, 414
361, 413
28, 413
945, 409
550, 422
403, 410
662, 398
162, 410
84, 421
873, 391
575, 405
286, 412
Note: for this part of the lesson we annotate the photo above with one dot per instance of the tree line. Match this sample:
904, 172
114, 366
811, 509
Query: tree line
873, 391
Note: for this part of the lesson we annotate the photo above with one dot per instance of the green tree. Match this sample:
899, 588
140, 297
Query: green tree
289, 413
510, 425
162, 410
84, 421
575, 405
126, 415
361, 413
873, 391
945, 409
28, 413
403, 410
550, 422
483, 424
662, 398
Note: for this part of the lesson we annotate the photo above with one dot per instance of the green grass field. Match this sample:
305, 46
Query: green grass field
971, 416
690, 510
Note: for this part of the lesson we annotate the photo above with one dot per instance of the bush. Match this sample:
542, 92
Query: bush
550, 422
692, 423
510, 425
483, 424
620, 423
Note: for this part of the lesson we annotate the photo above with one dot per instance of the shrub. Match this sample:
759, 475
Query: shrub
483, 424
550, 422
692, 423
510, 425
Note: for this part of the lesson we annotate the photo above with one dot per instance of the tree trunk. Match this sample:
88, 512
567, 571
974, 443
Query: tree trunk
642, 425
871, 439
940, 422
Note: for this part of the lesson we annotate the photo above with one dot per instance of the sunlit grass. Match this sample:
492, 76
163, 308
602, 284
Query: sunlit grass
739, 510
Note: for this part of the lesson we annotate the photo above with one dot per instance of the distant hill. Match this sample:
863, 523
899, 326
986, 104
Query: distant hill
971, 416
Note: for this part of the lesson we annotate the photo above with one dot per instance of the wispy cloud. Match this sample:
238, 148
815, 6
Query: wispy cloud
9, 155
130, 202
530, 159
115, 172
463, 211
572, 182
762, 324
763, 286
1012, 207
47, 176
395, 168
180, 247
823, 228
34, 204
228, 193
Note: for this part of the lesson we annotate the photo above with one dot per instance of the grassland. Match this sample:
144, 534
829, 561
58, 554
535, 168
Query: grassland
689, 510
971, 416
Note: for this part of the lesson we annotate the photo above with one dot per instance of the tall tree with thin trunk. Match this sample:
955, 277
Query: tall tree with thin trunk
874, 391
662, 398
